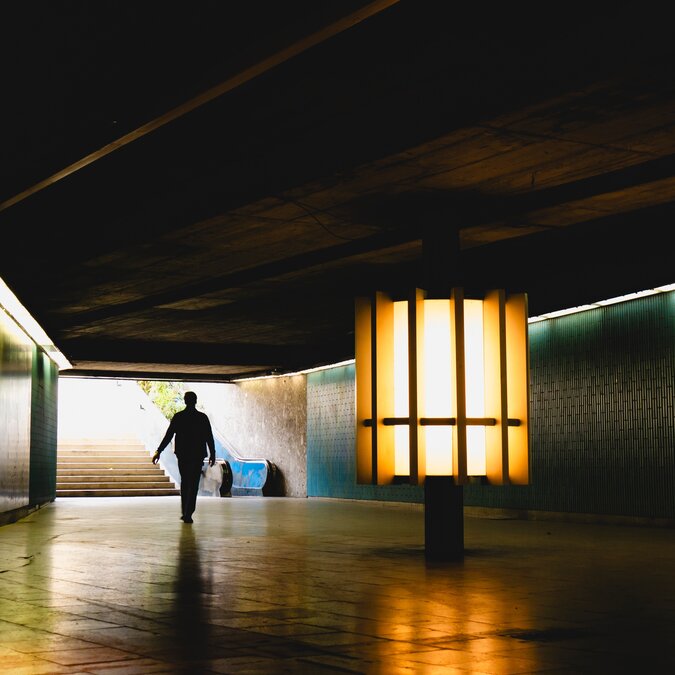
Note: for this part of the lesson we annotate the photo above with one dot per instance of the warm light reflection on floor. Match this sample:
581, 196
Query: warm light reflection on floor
267, 585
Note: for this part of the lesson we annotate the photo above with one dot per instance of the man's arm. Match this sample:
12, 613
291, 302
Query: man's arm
164, 442
210, 442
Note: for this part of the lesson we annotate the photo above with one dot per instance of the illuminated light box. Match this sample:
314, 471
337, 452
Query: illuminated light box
442, 388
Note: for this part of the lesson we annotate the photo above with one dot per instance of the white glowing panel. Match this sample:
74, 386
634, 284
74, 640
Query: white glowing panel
475, 385
437, 376
401, 395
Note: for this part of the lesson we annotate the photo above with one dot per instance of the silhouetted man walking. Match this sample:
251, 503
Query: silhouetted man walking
193, 436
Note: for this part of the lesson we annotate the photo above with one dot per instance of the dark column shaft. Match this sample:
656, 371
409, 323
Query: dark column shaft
443, 500
443, 519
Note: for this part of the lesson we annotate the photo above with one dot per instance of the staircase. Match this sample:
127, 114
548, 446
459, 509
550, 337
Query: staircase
109, 468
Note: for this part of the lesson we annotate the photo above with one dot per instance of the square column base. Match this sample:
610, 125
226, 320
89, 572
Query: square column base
443, 519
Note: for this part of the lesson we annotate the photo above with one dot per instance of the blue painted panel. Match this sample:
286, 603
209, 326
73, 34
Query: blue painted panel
249, 476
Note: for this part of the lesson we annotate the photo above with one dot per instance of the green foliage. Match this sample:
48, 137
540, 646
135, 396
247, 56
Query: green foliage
167, 396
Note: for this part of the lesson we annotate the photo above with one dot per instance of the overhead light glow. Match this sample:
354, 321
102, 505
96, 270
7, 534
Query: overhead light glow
22, 317
274, 376
602, 303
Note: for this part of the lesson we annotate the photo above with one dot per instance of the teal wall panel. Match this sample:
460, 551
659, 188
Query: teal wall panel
602, 419
331, 428
28, 421
16, 354
603, 436
43, 436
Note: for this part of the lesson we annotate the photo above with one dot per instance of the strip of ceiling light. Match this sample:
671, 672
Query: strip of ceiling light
22, 317
348, 362
602, 303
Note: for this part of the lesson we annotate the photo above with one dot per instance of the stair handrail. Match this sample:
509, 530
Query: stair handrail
151, 427
251, 475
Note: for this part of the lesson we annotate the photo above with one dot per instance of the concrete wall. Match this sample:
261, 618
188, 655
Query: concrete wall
263, 419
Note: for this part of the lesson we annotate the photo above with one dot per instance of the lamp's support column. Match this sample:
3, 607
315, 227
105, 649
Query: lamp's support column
442, 261
443, 499
443, 519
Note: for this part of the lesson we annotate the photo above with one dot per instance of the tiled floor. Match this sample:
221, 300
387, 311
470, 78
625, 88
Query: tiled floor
267, 585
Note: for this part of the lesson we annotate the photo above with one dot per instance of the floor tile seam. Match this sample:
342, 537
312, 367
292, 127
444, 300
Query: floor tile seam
88, 638
98, 650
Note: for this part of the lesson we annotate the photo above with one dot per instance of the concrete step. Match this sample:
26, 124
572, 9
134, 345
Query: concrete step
99, 440
113, 478
109, 468
101, 454
114, 485
134, 464
102, 447
133, 470
103, 464
125, 492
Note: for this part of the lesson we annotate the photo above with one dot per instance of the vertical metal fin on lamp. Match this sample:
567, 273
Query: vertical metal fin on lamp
459, 462
365, 445
496, 437
518, 396
416, 388
383, 366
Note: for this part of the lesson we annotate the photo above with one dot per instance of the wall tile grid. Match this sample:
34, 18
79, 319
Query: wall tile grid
331, 461
16, 358
602, 419
28, 421
43, 436
603, 438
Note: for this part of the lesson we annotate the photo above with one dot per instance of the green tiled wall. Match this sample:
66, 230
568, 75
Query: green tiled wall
43, 430
602, 419
331, 425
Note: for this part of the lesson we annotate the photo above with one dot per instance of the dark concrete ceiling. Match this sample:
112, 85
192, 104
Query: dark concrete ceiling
199, 190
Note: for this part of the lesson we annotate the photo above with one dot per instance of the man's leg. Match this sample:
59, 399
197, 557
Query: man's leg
183, 477
190, 473
194, 489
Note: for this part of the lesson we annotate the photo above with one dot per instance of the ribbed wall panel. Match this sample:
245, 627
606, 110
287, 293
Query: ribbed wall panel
16, 358
603, 437
602, 419
43, 430
331, 441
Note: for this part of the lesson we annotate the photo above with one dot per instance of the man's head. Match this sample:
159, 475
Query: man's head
190, 399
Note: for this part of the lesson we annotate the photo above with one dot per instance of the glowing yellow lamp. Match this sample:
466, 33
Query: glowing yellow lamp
401, 389
475, 386
442, 388
437, 373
